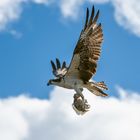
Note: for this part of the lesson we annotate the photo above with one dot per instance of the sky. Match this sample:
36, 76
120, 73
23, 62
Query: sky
33, 32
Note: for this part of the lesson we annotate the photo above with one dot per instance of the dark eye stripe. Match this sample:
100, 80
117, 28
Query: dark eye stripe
56, 80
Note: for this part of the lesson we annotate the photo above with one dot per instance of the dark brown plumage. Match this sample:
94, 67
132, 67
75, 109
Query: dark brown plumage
88, 49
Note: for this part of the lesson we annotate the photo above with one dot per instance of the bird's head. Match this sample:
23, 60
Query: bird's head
54, 81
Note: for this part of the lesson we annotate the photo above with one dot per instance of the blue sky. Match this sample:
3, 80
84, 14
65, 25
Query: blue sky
32, 32
43, 32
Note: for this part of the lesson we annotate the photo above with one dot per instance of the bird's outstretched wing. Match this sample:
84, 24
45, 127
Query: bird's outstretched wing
87, 51
57, 70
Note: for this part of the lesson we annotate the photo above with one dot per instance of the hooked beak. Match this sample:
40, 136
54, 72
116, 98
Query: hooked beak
49, 82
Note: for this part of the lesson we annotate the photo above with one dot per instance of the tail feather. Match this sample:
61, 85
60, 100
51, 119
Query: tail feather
94, 89
102, 85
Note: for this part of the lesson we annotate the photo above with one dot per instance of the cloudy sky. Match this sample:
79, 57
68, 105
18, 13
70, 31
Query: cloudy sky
32, 32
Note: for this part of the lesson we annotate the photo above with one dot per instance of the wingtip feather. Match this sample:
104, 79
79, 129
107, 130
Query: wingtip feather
58, 63
96, 17
92, 15
53, 65
87, 16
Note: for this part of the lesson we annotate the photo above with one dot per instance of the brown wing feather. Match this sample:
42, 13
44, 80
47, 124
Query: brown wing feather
88, 49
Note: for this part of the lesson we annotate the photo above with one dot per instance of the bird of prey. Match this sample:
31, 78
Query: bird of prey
83, 64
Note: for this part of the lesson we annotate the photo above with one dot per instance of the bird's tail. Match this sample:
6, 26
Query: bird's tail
96, 88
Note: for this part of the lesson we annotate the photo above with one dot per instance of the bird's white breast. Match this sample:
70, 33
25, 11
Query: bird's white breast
71, 83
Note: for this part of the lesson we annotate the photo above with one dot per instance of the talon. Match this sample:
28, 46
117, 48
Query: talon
80, 105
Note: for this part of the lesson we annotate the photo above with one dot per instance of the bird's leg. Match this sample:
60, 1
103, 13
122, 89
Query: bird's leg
79, 91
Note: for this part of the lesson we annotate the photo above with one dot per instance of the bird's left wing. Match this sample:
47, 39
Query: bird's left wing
57, 70
87, 52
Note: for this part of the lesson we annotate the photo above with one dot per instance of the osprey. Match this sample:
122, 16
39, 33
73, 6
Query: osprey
84, 61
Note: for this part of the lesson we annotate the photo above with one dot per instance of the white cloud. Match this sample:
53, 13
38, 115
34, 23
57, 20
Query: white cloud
10, 10
71, 8
41, 1
33, 119
127, 14
99, 1
126, 11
